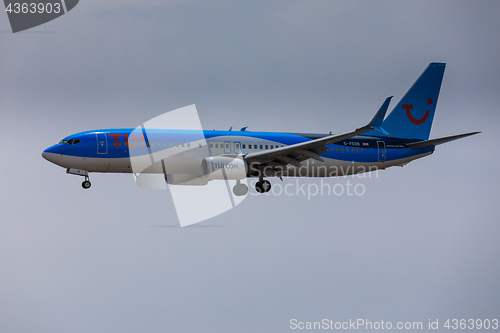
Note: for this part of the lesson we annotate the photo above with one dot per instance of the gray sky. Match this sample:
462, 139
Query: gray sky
422, 243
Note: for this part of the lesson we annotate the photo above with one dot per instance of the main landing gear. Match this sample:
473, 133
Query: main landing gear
263, 186
86, 183
240, 189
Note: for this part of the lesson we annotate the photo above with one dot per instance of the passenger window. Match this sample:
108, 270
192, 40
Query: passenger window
216, 145
171, 144
337, 149
342, 149
152, 144
211, 145
199, 145
261, 147
243, 146
362, 150
182, 144
227, 145
177, 144
357, 150
189, 145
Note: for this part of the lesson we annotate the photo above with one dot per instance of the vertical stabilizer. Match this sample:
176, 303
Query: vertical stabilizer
412, 117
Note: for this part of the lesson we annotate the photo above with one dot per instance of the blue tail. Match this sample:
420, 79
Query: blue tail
412, 117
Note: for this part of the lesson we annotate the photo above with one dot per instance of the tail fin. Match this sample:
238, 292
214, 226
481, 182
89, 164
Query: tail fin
412, 117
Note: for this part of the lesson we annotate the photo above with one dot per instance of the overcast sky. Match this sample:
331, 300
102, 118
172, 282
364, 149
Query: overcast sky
421, 243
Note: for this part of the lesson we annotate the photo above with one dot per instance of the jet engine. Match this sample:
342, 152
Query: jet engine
224, 167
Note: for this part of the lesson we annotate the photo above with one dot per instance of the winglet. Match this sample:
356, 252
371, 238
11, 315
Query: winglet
379, 116
381, 130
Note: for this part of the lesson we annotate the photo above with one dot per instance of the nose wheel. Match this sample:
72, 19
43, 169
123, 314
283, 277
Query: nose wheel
263, 186
86, 183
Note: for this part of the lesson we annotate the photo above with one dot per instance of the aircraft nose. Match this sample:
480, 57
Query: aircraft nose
45, 155
49, 154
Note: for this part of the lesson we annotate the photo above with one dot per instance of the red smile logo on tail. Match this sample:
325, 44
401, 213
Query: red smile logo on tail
420, 121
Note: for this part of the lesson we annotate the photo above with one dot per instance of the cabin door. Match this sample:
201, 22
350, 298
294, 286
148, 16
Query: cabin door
102, 143
381, 151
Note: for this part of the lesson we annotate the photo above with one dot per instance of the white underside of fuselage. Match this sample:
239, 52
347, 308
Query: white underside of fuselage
192, 165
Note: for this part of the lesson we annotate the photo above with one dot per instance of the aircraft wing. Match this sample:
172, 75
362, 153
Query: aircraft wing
299, 152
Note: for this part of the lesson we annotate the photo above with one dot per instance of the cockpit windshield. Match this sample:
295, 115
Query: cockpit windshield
69, 142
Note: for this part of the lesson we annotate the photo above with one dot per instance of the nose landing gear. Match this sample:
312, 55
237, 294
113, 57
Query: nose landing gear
86, 183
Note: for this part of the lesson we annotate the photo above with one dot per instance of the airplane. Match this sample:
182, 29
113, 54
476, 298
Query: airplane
193, 158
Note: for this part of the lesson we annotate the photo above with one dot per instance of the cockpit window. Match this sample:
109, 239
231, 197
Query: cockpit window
69, 142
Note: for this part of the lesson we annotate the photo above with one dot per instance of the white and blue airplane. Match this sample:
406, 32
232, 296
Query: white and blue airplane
185, 159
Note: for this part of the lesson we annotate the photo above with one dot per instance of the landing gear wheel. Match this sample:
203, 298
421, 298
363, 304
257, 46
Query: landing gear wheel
86, 184
240, 189
266, 185
263, 186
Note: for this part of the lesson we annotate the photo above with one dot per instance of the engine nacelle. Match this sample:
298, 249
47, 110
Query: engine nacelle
224, 167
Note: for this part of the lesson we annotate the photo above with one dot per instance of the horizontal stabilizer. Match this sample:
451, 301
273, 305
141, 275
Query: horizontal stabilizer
435, 142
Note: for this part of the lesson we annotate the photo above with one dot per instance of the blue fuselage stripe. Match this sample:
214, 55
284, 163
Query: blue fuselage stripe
359, 148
